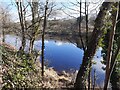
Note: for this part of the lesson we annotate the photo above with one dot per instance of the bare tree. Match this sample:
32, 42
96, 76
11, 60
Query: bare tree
35, 24
4, 20
21, 13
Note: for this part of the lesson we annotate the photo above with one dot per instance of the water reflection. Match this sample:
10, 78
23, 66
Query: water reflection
62, 55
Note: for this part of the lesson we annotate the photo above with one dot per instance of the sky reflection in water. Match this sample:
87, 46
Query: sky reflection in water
62, 55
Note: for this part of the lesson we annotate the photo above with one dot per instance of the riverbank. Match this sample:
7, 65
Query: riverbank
12, 66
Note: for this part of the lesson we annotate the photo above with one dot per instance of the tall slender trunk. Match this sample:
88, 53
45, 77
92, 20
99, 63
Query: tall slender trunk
34, 10
92, 46
86, 18
23, 28
114, 56
89, 77
31, 45
112, 68
32, 38
110, 46
23, 41
86, 14
80, 34
94, 80
3, 26
113, 60
21, 18
3, 35
43, 33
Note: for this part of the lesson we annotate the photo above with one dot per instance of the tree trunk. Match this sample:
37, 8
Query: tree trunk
110, 46
89, 77
34, 9
80, 20
23, 42
92, 46
21, 18
43, 33
3, 35
86, 15
31, 45
94, 80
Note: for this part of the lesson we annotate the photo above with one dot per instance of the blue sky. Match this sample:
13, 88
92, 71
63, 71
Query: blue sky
65, 4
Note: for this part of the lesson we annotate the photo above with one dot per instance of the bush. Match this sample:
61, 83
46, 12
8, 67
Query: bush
19, 72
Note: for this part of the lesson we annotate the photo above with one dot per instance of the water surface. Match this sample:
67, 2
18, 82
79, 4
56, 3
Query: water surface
62, 55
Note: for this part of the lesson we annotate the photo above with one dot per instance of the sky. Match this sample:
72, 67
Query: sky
69, 10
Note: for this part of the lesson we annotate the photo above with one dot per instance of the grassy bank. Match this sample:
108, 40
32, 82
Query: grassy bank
23, 72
